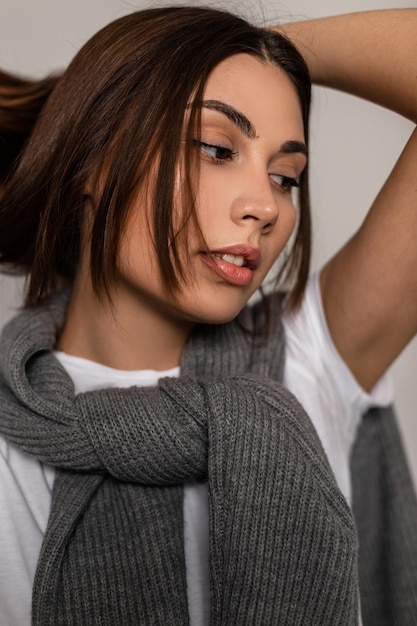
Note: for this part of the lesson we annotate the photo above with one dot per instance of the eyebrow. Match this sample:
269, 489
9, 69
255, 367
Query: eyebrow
239, 119
247, 128
289, 147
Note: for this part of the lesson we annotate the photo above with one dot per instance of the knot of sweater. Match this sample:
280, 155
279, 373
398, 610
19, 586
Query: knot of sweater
283, 545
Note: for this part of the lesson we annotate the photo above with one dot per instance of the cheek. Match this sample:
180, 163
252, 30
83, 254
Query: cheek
283, 232
214, 199
136, 249
289, 219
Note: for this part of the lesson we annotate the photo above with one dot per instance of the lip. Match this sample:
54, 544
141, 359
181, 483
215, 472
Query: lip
251, 254
229, 272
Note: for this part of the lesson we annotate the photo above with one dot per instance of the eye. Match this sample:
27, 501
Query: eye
284, 183
216, 153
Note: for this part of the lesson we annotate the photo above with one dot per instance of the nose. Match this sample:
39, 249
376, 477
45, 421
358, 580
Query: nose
256, 203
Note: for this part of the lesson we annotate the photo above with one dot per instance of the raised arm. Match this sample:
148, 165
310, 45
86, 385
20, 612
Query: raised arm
369, 288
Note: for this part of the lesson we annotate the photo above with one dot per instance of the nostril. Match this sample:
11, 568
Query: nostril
268, 226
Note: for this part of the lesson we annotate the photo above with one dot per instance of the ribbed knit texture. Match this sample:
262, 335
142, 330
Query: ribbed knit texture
283, 545
385, 507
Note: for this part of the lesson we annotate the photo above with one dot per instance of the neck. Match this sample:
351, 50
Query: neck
127, 333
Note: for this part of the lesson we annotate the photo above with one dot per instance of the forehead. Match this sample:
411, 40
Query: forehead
261, 90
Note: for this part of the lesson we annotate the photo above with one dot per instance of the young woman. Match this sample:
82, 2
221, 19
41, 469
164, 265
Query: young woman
154, 468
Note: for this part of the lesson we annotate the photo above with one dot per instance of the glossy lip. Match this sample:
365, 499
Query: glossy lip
251, 254
229, 272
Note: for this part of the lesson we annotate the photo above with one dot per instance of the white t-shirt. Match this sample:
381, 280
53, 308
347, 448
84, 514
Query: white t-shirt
314, 372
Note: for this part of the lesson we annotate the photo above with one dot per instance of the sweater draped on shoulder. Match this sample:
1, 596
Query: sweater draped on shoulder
283, 542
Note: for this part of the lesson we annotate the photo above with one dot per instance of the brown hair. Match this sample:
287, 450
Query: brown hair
21, 101
119, 105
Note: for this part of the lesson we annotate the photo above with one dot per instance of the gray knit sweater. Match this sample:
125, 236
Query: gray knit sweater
283, 543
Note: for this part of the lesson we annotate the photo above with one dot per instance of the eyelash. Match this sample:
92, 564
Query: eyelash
228, 153
286, 183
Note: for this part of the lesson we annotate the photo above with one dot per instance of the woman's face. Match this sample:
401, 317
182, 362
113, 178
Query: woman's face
252, 153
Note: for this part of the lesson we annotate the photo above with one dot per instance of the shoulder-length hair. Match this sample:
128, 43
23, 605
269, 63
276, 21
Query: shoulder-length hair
118, 110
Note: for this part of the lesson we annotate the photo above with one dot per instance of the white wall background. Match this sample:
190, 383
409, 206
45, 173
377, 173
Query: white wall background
354, 144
